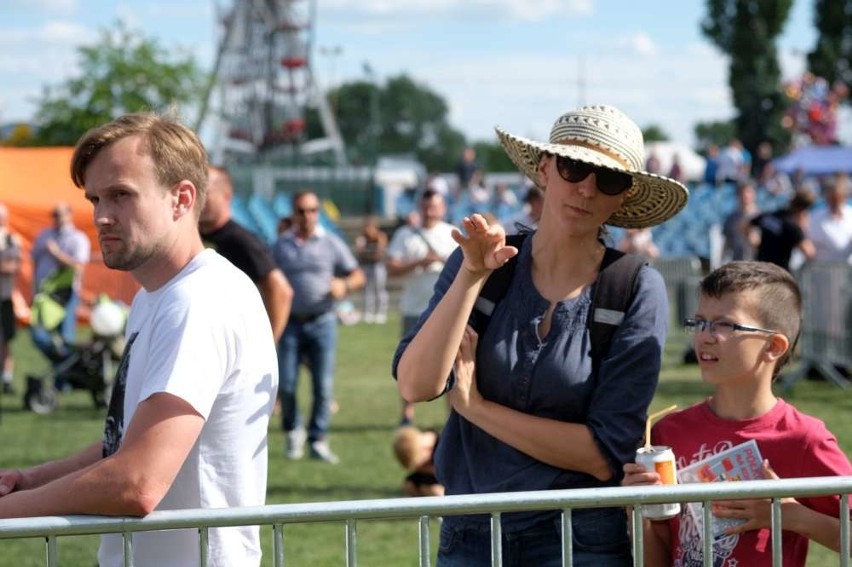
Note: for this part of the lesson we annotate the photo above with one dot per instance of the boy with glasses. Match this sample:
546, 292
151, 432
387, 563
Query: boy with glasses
746, 326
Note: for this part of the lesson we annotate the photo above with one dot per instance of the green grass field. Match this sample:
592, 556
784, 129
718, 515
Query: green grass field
361, 435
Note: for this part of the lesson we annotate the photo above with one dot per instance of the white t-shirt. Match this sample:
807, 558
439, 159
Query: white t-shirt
412, 243
831, 236
205, 338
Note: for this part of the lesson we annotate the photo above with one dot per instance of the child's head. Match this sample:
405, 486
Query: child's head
766, 293
413, 447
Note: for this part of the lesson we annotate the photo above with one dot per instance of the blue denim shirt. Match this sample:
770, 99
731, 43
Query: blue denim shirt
552, 378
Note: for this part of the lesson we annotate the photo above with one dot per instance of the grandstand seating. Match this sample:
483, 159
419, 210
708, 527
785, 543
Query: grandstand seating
686, 234
261, 215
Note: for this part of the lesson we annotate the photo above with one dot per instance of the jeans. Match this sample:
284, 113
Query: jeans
599, 540
375, 290
315, 343
45, 340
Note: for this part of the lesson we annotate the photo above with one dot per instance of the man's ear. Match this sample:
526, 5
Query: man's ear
185, 195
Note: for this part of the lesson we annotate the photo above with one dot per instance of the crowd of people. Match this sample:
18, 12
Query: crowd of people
547, 384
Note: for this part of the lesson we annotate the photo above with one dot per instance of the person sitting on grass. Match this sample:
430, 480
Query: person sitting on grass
414, 449
748, 318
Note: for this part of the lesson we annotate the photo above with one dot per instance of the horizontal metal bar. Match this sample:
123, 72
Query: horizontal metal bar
394, 508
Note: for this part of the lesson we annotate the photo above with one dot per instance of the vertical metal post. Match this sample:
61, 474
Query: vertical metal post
351, 543
127, 542
425, 552
52, 551
776, 532
638, 531
567, 538
203, 545
708, 533
278, 545
496, 540
844, 530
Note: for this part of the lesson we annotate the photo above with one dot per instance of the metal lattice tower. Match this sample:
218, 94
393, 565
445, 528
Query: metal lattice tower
263, 84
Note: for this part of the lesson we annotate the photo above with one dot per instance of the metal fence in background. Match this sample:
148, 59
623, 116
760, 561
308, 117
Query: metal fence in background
825, 342
422, 510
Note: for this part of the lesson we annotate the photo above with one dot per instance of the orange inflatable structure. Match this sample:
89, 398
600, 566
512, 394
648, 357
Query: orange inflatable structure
32, 181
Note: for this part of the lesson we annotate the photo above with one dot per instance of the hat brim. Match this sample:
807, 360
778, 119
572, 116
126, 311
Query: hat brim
652, 200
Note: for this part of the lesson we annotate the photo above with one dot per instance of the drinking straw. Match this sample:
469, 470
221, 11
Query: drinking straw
651, 418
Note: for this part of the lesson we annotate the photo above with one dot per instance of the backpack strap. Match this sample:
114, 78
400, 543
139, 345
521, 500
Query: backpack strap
495, 287
613, 294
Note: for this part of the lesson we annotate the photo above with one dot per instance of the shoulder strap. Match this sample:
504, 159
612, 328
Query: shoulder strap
613, 294
495, 287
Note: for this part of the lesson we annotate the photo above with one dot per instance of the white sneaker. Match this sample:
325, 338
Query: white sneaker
381, 318
369, 317
295, 448
321, 451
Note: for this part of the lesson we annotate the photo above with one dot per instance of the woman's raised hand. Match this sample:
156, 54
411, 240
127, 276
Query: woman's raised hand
484, 246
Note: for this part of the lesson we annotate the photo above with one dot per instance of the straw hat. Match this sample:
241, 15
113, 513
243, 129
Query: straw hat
604, 136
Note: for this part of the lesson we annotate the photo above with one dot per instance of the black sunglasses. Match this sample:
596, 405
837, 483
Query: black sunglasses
609, 182
305, 211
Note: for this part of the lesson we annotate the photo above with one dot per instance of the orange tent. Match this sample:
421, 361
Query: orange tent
32, 181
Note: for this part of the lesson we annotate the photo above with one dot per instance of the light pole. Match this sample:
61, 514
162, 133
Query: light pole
332, 53
375, 130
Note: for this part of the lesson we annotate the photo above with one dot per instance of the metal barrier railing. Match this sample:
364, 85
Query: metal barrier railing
350, 512
826, 338
682, 276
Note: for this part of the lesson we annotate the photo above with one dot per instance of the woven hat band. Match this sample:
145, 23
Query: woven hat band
605, 151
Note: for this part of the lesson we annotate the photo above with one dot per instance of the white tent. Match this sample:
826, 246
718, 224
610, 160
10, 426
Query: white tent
692, 164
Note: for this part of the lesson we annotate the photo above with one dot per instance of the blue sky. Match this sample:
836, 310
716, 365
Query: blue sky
515, 63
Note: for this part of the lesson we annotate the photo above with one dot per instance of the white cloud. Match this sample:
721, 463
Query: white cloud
51, 32
52, 7
640, 43
482, 9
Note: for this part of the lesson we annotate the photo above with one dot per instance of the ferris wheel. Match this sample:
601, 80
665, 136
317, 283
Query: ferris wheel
263, 84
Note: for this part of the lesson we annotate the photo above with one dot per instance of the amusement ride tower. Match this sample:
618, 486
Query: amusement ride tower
263, 85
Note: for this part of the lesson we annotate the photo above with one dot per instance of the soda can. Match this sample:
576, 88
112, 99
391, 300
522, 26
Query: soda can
660, 459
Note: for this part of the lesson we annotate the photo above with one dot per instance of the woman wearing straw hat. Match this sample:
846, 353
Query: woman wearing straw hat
535, 416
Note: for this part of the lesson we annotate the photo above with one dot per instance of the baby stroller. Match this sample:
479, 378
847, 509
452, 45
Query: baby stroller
88, 366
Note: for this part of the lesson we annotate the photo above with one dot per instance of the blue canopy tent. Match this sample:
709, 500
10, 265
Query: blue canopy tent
816, 160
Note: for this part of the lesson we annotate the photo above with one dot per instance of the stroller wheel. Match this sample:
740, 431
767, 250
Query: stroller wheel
38, 398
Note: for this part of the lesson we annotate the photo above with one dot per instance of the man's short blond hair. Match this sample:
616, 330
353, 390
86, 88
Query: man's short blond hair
176, 151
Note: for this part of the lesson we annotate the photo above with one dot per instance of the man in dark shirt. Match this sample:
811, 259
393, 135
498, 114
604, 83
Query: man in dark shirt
244, 250
782, 231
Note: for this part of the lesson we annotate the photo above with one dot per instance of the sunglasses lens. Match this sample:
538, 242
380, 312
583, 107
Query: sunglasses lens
613, 182
571, 170
609, 182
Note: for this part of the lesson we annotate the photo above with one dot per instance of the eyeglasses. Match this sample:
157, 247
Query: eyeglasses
306, 211
609, 182
724, 329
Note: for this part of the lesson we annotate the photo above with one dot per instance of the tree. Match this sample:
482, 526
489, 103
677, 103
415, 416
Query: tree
123, 72
714, 133
19, 136
654, 133
492, 157
746, 31
832, 54
401, 117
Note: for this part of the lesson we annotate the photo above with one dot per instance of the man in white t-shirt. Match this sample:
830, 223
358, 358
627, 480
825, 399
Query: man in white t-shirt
418, 254
187, 423
830, 231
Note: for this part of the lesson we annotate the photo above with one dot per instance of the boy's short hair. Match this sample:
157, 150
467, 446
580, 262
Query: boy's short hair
406, 445
779, 300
